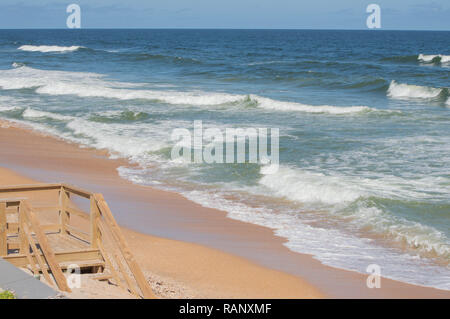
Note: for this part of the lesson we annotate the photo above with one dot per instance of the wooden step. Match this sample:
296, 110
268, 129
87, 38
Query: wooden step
20, 260
83, 264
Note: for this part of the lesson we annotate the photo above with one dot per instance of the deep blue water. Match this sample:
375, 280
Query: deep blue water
363, 116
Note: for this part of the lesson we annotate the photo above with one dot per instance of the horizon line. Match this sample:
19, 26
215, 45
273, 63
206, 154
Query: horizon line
226, 28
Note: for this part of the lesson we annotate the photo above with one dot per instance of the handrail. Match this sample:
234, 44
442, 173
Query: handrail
123, 247
28, 187
26, 215
77, 190
45, 186
104, 231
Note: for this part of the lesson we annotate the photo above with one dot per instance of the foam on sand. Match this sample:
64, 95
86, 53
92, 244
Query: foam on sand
48, 48
353, 198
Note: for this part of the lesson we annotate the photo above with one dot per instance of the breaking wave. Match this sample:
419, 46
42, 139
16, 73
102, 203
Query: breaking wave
93, 85
408, 91
434, 58
355, 200
48, 48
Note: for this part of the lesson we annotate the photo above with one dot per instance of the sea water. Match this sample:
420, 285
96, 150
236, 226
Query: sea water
364, 120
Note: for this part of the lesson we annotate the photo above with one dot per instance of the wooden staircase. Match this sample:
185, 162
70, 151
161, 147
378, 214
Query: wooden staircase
92, 242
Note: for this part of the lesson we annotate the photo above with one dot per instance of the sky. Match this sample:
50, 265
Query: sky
245, 14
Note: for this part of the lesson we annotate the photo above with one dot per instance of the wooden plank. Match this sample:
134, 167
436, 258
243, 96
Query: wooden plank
13, 201
63, 216
3, 234
123, 246
22, 221
109, 265
81, 264
77, 190
28, 187
36, 253
46, 250
20, 260
78, 233
12, 228
13, 246
46, 208
95, 218
27, 252
126, 277
12, 210
50, 228
77, 212
102, 277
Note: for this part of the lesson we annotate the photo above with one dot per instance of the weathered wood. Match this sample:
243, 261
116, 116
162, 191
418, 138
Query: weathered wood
95, 217
77, 191
126, 277
28, 232
20, 260
28, 187
3, 234
77, 212
78, 233
109, 265
102, 277
27, 254
82, 264
123, 246
22, 221
52, 228
46, 208
46, 250
36, 253
63, 216
12, 228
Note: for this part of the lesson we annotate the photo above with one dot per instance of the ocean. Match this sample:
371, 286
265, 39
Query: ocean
363, 116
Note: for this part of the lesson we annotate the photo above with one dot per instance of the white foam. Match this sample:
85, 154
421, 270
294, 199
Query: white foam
270, 104
23, 77
335, 193
427, 58
408, 91
17, 64
48, 48
330, 246
93, 85
310, 187
32, 113
133, 141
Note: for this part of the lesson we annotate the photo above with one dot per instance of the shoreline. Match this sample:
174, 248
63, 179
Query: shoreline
176, 221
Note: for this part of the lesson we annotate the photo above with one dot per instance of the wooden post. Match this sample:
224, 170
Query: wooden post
46, 250
37, 255
109, 265
123, 246
22, 237
63, 216
95, 216
3, 236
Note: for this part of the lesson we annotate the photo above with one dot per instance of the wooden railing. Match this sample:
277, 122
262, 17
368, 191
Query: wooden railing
103, 235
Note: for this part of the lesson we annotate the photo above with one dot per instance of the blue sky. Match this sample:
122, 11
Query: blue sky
295, 14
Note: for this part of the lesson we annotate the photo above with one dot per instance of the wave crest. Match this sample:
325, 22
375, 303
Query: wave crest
48, 48
432, 58
408, 91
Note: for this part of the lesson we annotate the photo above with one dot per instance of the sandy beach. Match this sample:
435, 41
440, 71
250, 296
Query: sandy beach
186, 250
